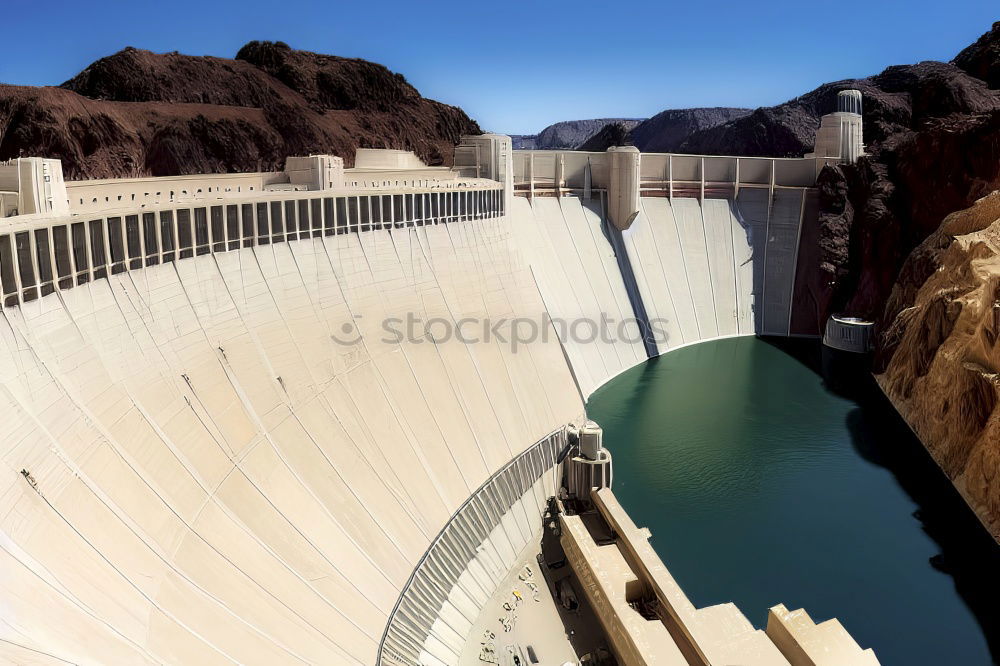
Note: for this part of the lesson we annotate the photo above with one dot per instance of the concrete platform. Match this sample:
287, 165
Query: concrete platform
537, 620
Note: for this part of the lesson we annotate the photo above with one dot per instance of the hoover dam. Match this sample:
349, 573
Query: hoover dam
224, 441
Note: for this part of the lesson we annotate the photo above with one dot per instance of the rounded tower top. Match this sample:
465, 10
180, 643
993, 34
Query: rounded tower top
849, 101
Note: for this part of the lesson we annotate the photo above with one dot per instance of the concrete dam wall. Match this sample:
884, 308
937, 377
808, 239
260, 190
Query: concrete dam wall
254, 430
226, 460
698, 259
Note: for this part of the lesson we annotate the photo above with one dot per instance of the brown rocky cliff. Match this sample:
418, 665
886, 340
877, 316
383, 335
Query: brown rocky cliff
939, 361
933, 285
141, 113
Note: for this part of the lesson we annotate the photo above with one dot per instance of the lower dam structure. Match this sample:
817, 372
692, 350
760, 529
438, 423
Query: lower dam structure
337, 416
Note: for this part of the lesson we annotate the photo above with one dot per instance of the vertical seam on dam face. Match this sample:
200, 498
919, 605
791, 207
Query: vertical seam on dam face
567, 207
562, 347
795, 263
711, 273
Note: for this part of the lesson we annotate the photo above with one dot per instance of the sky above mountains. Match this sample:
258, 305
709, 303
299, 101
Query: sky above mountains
519, 66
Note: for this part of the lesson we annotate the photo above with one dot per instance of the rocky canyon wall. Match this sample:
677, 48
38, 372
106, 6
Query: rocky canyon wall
138, 113
939, 359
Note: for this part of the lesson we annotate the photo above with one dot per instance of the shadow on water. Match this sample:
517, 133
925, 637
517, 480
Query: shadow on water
968, 553
806, 351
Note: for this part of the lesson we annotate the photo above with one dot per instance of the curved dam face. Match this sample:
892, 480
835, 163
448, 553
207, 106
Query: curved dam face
302, 426
225, 458
693, 263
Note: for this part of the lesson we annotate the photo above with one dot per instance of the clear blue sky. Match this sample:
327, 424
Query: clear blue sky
518, 66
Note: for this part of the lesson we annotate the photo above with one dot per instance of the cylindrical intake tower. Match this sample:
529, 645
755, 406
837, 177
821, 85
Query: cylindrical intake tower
591, 467
840, 133
849, 101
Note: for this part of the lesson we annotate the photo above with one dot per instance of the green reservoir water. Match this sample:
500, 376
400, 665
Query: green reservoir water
761, 486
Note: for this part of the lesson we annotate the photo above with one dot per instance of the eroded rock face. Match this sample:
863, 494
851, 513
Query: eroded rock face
141, 113
875, 213
858, 231
939, 357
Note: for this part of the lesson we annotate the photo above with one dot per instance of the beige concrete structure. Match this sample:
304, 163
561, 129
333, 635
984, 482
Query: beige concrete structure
32, 185
215, 453
710, 248
623, 185
840, 133
487, 156
225, 442
316, 172
649, 620
805, 643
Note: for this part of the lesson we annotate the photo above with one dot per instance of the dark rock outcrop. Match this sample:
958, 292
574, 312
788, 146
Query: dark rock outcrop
663, 133
858, 230
612, 134
901, 98
329, 82
893, 200
567, 134
667, 131
141, 113
982, 59
134, 75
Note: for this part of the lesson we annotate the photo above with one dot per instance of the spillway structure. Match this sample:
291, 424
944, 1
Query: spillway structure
294, 417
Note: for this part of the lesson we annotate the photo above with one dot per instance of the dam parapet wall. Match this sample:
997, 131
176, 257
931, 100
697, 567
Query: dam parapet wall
40, 254
550, 173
